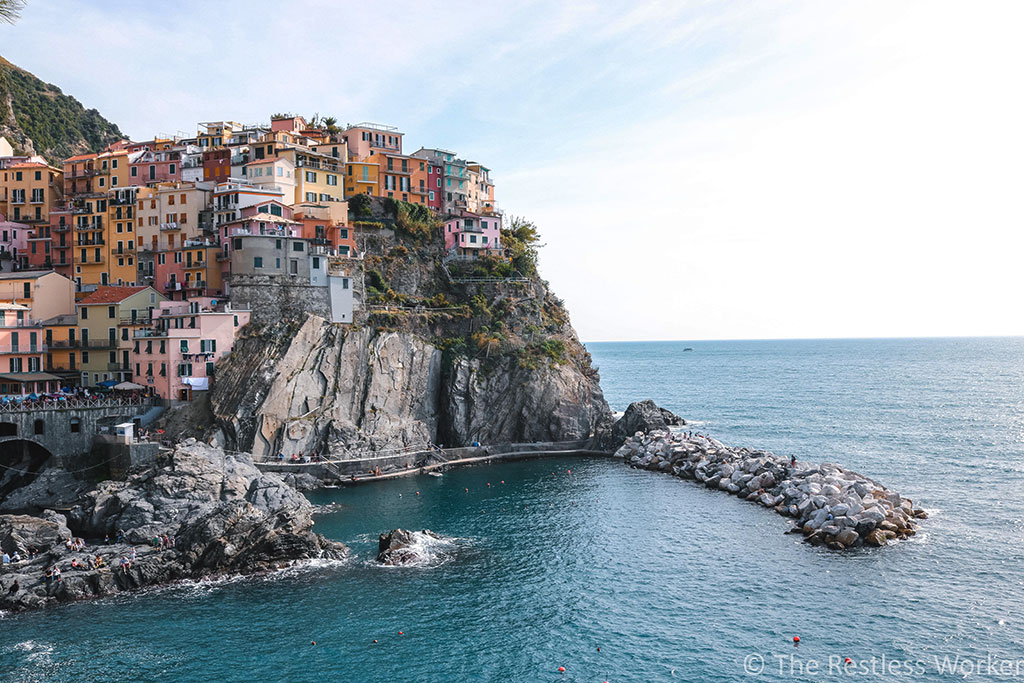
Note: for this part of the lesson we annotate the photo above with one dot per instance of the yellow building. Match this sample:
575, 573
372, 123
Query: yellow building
362, 177
170, 213
318, 177
107, 318
32, 190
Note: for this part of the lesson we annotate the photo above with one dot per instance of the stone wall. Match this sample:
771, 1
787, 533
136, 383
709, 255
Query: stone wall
274, 298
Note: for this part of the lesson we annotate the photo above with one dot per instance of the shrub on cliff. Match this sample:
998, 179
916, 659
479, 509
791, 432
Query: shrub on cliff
522, 240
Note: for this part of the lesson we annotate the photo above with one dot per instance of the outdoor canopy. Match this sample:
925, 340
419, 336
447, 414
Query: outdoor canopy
128, 386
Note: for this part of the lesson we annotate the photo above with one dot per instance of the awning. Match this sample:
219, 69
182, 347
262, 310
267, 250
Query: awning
197, 383
107, 383
128, 386
29, 377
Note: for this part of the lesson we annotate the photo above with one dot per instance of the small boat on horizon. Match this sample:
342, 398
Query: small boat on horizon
688, 348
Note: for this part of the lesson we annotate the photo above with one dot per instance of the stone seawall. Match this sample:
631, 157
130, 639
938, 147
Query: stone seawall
832, 506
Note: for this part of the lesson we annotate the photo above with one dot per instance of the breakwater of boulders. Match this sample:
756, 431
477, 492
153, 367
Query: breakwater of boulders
831, 506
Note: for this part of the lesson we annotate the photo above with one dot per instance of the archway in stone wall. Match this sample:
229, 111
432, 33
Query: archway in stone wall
21, 461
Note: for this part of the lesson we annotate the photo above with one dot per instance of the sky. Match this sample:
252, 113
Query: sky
698, 170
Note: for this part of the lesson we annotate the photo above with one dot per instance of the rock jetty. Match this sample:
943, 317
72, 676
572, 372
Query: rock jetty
832, 506
201, 512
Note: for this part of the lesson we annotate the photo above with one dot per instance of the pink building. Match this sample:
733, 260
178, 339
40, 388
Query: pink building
13, 244
155, 167
178, 355
470, 234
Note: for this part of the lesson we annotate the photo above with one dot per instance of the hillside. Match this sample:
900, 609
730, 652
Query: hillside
37, 118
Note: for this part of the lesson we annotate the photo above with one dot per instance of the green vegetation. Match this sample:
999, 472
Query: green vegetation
415, 220
10, 10
57, 124
521, 240
359, 205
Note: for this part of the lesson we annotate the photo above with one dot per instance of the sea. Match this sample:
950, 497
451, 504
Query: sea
581, 569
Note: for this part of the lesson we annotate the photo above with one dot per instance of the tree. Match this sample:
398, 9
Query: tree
522, 242
330, 124
10, 10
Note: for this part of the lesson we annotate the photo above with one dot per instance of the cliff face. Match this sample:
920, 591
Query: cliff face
37, 118
432, 359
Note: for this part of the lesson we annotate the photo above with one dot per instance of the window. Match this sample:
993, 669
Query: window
257, 262
298, 246
343, 233
184, 370
294, 267
310, 176
135, 171
76, 425
26, 290
332, 179
311, 196
236, 243
344, 283
183, 345
316, 263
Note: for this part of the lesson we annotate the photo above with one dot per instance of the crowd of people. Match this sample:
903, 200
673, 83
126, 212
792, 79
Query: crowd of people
51, 573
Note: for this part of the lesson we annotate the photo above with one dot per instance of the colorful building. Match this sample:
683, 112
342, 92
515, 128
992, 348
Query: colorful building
107, 318
29, 299
177, 354
473, 235
13, 244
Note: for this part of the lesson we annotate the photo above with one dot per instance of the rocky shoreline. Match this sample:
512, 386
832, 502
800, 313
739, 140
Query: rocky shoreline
831, 506
219, 514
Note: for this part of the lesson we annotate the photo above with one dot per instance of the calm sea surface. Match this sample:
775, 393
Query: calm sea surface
670, 580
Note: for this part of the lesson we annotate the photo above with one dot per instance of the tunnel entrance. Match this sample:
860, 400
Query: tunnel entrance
20, 463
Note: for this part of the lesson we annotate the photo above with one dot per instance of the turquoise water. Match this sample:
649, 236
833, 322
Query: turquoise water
671, 581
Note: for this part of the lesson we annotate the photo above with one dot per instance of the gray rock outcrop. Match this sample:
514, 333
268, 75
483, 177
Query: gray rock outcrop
640, 416
400, 547
222, 514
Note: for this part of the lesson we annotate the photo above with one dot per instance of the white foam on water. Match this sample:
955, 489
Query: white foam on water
426, 550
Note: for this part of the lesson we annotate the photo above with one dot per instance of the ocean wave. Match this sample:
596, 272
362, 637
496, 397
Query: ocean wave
426, 550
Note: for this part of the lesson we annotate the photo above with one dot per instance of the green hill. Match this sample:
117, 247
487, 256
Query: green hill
37, 118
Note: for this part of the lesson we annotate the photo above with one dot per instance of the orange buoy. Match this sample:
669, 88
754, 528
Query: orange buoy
312, 642
417, 493
796, 639
502, 481
467, 490
598, 649
848, 660
401, 633
488, 484
568, 471
375, 640
561, 669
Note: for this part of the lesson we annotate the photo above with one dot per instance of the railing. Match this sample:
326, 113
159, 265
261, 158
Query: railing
99, 344
61, 227
146, 319
24, 348
195, 284
317, 165
118, 367
168, 226
24, 322
73, 403
95, 242
64, 344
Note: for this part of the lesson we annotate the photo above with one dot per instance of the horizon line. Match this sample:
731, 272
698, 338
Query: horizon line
733, 339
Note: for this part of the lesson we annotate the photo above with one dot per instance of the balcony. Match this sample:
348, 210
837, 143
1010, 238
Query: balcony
119, 367
13, 323
99, 344
98, 225
144, 319
168, 227
195, 284
61, 368
94, 242
64, 344
318, 165
62, 227
24, 348
172, 286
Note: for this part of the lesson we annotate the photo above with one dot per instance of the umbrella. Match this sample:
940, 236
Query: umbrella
107, 383
128, 386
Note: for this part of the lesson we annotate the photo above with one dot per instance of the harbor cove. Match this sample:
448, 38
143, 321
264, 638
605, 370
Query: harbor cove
517, 341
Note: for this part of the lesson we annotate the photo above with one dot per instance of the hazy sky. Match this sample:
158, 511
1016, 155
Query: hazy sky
698, 169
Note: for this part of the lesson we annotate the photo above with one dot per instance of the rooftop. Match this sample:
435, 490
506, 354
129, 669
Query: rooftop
24, 275
110, 295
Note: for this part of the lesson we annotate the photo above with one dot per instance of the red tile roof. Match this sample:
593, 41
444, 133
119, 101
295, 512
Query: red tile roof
110, 295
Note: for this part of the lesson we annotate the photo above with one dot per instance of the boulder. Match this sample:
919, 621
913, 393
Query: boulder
398, 547
641, 416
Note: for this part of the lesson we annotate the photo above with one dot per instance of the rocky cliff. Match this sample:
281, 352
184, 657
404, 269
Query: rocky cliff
436, 356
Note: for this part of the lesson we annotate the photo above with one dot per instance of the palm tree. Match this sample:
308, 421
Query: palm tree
330, 124
10, 10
